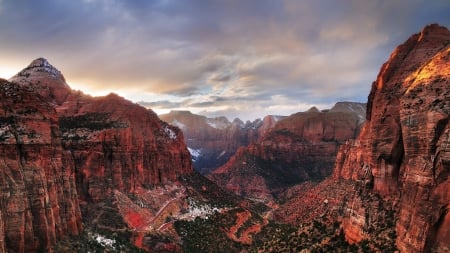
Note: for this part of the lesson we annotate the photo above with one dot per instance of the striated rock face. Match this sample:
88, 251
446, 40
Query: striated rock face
114, 143
38, 201
402, 153
300, 147
119, 145
212, 141
59, 146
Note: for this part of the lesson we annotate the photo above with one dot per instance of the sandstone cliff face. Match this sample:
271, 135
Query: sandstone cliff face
38, 201
114, 143
59, 146
402, 152
118, 145
212, 141
300, 147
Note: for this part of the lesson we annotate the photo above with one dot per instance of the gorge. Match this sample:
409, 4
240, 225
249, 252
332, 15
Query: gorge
82, 173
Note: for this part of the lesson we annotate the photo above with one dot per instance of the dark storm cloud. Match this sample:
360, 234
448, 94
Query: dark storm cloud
230, 56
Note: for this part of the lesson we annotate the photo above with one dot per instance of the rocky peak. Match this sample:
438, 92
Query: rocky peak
41, 65
45, 79
434, 32
238, 122
269, 122
313, 109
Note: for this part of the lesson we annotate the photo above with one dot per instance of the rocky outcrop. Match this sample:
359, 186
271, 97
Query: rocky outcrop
300, 147
62, 150
402, 153
38, 198
212, 141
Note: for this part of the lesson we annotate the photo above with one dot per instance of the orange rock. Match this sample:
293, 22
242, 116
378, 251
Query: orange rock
403, 148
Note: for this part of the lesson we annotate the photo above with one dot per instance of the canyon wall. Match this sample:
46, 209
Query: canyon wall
402, 153
300, 147
38, 202
212, 141
64, 151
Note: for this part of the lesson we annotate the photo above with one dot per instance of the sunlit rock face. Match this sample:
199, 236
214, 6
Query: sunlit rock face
300, 147
402, 152
62, 150
212, 141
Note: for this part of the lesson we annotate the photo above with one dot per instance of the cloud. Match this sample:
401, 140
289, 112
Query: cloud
235, 57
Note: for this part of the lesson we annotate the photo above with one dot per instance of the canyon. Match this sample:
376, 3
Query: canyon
82, 173
212, 141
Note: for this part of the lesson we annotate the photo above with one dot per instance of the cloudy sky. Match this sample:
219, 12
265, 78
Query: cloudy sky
245, 58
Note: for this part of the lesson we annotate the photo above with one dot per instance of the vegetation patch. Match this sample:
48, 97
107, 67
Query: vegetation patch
91, 121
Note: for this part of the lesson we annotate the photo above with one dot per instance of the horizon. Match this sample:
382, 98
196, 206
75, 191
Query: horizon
219, 58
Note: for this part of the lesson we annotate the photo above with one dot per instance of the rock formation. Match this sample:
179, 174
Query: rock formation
300, 147
402, 152
59, 146
38, 202
212, 141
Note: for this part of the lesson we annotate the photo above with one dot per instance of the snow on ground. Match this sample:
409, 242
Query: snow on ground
195, 153
199, 210
170, 133
103, 240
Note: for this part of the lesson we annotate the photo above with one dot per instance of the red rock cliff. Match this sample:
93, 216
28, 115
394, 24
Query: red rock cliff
59, 146
38, 201
114, 143
403, 150
118, 145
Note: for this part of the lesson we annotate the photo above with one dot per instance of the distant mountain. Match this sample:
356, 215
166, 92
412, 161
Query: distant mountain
351, 107
298, 148
212, 141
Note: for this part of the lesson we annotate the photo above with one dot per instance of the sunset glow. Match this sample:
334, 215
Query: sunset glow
233, 58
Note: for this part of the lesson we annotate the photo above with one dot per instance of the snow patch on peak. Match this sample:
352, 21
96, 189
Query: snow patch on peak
40, 65
170, 133
43, 65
